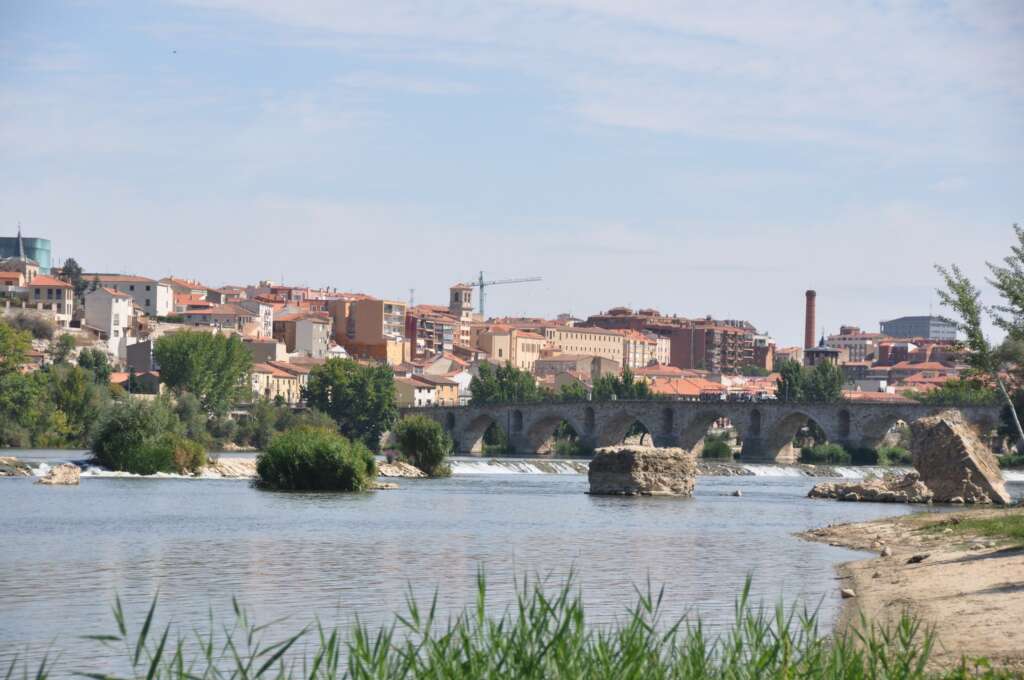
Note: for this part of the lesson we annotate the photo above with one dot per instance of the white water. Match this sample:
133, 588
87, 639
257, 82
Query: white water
513, 466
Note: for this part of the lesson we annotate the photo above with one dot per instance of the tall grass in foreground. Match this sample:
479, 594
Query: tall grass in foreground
543, 635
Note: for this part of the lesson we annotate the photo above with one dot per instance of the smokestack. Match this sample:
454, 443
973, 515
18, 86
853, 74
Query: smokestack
809, 320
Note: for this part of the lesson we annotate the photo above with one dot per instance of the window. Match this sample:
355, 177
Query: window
147, 299
147, 290
117, 319
117, 333
131, 287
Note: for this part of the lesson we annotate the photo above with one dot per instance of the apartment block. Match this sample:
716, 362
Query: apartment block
153, 297
713, 347
594, 341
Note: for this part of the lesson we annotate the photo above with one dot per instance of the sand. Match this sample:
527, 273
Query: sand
969, 589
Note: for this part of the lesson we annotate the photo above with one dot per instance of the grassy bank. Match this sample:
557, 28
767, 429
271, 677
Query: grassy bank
1005, 528
544, 635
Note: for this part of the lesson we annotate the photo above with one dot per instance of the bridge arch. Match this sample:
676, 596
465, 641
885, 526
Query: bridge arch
618, 424
692, 436
472, 439
543, 429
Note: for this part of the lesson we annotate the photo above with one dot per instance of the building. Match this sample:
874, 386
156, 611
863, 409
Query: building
371, 328
521, 348
185, 287
585, 366
586, 340
12, 284
52, 294
431, 333
38, 250
927, 327
303, 333
446, 391
228, 317
109, 313
639, 349
712, 346
312, 336
460, 306
270, 382
265, 350
858, 344
764, 352
410, 392
153, 297
821, 354
264, 316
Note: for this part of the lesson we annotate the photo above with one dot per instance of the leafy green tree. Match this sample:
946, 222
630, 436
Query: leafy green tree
213, 367
28, 416
38, 325
61, 348
425, 444
193, 418
72, 273
824, 383
574, 391
144, 437
626, 386
14, 347
360, 399
754, 371
791, 382
963, 392
75, 394
96, 361
312, 459
503, 385
961, 296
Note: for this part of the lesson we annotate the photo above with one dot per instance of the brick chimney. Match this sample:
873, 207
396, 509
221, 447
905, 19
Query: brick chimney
809, 320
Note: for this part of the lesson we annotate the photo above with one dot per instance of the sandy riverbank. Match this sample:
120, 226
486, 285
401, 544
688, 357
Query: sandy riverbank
970, 589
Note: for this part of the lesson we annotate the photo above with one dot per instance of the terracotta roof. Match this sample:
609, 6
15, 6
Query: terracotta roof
885, 397
118, 278
114, 293
413, 383
229, 309
529, 335
11, 276
43, 281
290, 367
433, 379
267, 369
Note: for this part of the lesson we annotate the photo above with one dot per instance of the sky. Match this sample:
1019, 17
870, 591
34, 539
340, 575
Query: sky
714, 158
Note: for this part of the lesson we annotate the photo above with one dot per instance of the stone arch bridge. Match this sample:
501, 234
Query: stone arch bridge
765, 428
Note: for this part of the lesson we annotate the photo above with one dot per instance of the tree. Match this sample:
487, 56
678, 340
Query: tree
754, 371
790, 385
574, 391
96, 361
213, 367
61, 348
964, 299
626, 386
75, 394
72, 273
425, 444
503, 385
314, 459
824, 383
821, 384
361, 399
957, 393
145, 437
14, 348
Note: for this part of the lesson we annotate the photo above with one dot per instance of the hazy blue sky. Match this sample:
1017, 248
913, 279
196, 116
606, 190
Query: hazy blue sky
702, 158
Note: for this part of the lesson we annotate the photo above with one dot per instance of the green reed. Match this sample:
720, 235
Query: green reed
544, 634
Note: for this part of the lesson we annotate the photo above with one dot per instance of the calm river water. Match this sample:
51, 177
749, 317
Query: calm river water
67, 551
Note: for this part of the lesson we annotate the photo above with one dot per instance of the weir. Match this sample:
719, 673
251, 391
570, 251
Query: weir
766, 429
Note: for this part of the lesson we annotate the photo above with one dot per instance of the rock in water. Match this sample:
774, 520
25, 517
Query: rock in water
847, 593
906, 488
65, 473
642, 471
954, 463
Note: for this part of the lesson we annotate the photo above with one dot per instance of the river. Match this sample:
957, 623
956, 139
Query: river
68, 551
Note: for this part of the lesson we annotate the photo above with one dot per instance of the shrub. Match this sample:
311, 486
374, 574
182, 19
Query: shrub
1011, 460
315, 459
425, 444
716, 446
894, 455
145, 438
40, 327
824, 453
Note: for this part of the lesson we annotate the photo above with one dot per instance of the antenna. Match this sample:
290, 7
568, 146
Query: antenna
412, 297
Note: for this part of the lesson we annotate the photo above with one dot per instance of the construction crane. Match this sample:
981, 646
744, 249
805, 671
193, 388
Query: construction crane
482, 285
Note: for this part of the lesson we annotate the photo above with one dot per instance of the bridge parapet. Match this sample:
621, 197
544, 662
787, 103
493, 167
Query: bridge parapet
765, 428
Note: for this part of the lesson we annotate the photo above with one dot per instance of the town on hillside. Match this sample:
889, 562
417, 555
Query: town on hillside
435, 350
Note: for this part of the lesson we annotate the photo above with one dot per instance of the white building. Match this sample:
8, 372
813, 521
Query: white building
109, 312
264, 316
312, 335
155, 298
